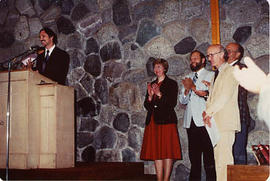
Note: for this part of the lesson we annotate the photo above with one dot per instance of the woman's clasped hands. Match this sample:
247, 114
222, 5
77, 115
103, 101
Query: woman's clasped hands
153, 89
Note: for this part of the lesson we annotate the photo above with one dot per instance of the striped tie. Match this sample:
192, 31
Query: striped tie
194, 79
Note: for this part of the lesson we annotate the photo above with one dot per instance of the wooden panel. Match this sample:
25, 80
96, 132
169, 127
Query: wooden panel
18, 120
215, 21
34, 119
48, 124
17, 116
47, 161
65, 126
247, 172
17, 160
57, 113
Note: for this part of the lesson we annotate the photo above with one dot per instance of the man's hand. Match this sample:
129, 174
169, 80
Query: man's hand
28, 66
206, 119
188, 84
251, 78
200, 93
206, 83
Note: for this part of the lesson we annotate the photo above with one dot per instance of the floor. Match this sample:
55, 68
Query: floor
83, 171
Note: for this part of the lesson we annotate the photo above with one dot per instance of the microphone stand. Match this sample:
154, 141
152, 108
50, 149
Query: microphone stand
10, 62
8, 120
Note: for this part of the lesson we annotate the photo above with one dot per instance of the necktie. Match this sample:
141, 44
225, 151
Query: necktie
45, 61
47, 56
216, 74
195, 77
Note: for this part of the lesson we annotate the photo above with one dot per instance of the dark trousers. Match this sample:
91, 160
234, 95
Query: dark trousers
200, 144
240, 145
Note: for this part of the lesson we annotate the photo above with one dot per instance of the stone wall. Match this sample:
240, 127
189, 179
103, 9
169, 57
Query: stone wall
111, 43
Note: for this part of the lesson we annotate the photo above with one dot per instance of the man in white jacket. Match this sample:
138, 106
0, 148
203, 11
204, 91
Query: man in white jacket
194, 94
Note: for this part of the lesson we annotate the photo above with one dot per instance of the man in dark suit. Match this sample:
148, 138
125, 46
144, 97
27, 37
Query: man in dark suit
52, 62
235, 54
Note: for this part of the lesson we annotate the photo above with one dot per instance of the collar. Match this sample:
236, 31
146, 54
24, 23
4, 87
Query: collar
222, 66
156, 80
199, 72
50, 50
234, 62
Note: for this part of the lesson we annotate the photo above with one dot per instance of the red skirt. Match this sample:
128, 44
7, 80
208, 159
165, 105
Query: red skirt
160, 141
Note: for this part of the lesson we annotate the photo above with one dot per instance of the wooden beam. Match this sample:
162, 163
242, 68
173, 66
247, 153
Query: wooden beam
215, 21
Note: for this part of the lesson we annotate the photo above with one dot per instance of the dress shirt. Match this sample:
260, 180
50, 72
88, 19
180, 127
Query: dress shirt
195, 104
221, 67
50, 50
232, 63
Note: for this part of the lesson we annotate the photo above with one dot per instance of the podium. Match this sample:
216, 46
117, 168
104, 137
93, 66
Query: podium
41, 122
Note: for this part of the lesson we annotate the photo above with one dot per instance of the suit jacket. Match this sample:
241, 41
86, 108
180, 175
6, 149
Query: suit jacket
57, 65
195, 104
242, 100
163, 108
222, 102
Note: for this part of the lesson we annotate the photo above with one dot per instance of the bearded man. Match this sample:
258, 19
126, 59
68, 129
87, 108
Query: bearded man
52, 62
194, 94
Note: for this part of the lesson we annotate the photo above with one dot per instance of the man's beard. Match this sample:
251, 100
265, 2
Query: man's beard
197, 67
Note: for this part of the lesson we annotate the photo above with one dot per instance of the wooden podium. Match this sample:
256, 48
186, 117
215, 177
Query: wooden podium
41, 122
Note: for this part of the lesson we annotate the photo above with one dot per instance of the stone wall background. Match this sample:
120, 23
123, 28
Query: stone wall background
111, 42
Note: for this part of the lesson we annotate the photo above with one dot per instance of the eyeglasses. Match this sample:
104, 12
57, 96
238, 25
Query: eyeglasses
231, 51
212, 54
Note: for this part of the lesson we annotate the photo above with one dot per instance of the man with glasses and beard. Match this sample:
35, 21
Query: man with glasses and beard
194, 94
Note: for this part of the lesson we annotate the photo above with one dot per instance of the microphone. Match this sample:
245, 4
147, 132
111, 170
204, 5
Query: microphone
36, 48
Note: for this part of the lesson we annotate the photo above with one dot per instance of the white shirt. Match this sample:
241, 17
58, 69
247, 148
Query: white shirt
233, 62
50, 50
195, 104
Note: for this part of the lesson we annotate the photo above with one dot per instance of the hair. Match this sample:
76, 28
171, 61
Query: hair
240, 50
163, 62
50, 33
201, 55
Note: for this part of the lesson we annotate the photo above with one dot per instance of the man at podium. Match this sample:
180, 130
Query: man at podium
52, 61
